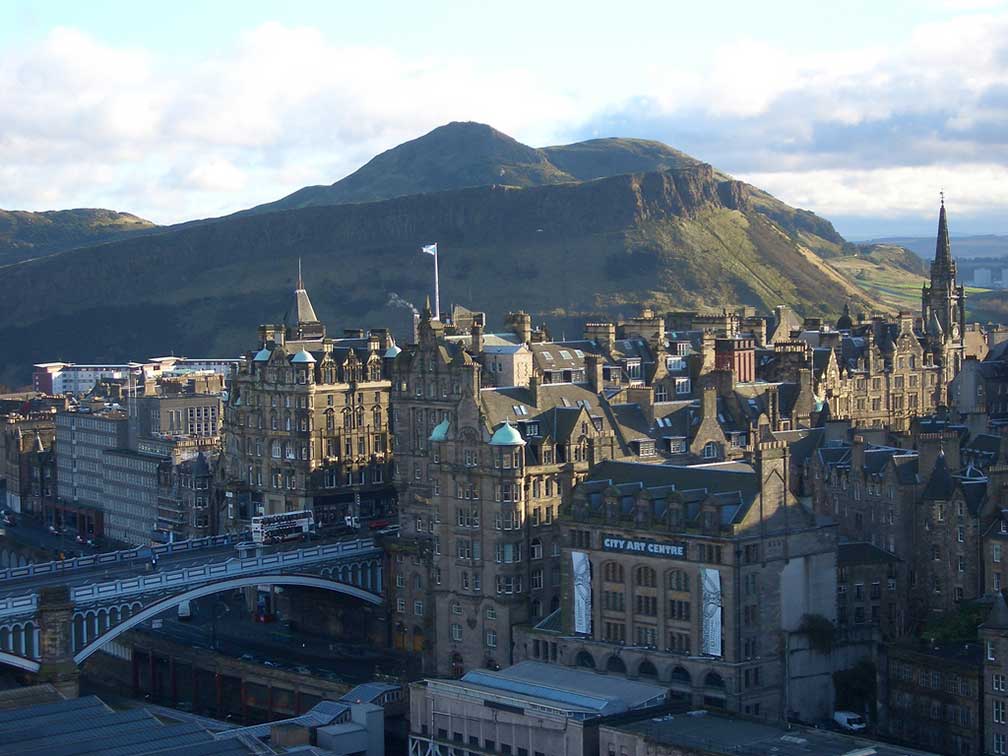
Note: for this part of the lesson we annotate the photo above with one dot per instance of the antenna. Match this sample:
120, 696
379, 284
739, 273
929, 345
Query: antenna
300, 283
942, 195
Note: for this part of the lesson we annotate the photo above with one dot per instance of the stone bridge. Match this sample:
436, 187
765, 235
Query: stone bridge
54, 616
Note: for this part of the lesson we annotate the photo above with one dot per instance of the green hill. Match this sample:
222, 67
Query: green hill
467, 154
454, 156
557, 242
24, 235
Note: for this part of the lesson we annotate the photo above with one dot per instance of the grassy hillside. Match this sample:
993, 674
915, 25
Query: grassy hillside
454, 156
891, 275
565, 252
24, 235
466, 154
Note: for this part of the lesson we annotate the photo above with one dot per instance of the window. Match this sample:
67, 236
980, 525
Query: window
990, 651
710, 450
999, 712
418, 608
456, 631
491, 639
682, 386
998, 682
999, 743
401, 606
996, 552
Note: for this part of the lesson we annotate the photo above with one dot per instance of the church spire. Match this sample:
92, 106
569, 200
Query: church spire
943, 248
300, 283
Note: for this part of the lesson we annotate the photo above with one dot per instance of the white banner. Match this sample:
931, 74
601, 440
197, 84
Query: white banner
582, 592
710, 596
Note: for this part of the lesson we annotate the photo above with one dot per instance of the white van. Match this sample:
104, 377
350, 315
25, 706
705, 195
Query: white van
849, 721
184, 611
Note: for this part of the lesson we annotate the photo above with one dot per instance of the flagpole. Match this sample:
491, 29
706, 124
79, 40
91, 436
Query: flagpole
437, 292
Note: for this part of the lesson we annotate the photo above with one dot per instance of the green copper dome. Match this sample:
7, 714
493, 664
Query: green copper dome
507, 435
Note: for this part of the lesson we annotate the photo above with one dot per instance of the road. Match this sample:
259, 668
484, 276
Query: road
33, 533
235, 634
88, 575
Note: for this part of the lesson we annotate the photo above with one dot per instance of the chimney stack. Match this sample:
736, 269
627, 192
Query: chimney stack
593, 372
476, 347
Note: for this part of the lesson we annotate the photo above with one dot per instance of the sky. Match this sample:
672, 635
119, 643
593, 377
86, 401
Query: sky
859, 111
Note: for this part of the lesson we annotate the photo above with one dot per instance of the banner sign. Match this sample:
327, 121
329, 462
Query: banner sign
582, 592
644, 548
710, 597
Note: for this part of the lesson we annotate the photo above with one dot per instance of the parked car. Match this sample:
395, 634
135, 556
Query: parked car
849, 721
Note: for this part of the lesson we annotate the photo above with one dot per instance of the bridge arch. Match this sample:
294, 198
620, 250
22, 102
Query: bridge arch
152, 610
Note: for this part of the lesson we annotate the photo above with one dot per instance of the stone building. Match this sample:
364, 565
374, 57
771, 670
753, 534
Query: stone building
992, 696
306, 425
871, 589
481, 473
695, 577
931, 696
27, 463
922, 506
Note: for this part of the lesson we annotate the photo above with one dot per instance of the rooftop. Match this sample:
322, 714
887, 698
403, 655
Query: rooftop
719, 734
576, 693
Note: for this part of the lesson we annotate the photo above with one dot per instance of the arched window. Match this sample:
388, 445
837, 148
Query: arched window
647, 669
644, 577
536, 608
347, 419
376, 418
360, 417
681, 676
584, 659
287, 422
276, 451
615, 664
613, 572
714, 680
330, 420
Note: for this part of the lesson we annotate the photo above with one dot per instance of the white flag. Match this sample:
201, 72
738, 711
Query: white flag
430, 249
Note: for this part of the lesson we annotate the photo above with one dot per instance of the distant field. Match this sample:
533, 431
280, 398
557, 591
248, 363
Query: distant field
890, 285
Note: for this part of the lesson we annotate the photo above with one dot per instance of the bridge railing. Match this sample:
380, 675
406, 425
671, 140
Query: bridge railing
118, 557
233, 566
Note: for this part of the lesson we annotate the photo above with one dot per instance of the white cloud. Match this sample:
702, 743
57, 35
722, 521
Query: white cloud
889, 192
868, 130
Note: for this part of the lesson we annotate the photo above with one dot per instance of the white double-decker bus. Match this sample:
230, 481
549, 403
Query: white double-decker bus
280, 527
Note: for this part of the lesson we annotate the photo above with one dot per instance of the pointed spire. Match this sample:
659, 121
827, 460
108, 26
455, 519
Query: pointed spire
943, 248
301, 310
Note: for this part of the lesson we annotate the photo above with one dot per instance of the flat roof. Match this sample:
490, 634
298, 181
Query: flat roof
717, 733
564, 688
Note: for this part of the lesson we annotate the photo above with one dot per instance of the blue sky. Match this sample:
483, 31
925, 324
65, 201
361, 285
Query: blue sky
860, 111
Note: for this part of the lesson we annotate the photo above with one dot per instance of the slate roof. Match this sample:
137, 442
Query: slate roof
734, 485
940, 485
87, 726
863, 553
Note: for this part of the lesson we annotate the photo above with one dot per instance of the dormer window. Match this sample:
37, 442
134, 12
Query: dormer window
710, 450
